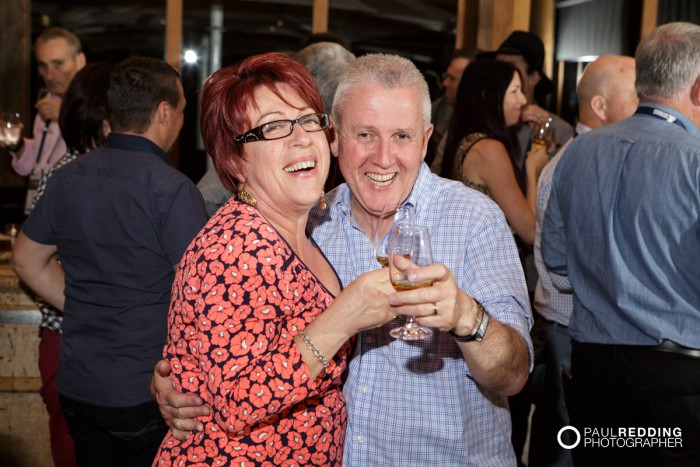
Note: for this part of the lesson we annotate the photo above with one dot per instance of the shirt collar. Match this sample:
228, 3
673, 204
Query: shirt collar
135, 143
582, 128
688, 123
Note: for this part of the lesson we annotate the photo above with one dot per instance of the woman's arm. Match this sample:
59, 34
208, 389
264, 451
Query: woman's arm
36, 265
235, 342
488, 163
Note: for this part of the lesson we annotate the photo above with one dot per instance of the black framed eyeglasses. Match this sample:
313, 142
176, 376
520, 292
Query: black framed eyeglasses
282, 128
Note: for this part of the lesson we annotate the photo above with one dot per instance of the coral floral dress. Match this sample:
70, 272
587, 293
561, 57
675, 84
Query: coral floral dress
239, 298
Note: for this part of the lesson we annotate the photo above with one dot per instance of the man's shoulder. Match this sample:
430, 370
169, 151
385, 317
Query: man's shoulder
449, 194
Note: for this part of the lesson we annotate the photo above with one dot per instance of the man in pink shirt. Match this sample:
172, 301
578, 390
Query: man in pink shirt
59, 57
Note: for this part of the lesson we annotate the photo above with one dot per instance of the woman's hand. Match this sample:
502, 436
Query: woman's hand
533, 113
535, 160
363, 303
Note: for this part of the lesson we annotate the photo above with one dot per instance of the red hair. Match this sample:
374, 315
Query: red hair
227, 96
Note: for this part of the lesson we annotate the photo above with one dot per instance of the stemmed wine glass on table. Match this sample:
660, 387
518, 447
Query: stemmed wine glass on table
409, 247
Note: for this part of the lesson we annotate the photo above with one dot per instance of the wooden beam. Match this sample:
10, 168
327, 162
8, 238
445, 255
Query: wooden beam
319, 23
543, 18
650, 13
521, 15
461, 23
467, 26
173, 52
173, 32
498, 18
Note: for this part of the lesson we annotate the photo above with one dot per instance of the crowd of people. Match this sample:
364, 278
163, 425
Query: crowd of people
245, 320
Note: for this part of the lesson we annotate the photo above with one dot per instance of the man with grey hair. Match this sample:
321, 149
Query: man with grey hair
606, 95
326, 61
440, 401
622, 225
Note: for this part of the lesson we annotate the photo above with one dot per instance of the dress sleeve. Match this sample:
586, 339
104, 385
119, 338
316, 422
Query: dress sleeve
238, 301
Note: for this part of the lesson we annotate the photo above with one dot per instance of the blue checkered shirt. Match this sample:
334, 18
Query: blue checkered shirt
415, 403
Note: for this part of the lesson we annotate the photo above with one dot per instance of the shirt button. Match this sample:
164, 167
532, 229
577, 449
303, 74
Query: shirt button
366, 240
369, 339
364, 389
360, 439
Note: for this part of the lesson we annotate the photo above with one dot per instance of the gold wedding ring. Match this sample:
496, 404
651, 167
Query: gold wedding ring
435, 309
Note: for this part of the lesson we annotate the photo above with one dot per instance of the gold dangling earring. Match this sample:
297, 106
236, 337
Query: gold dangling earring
323, 200
246, 197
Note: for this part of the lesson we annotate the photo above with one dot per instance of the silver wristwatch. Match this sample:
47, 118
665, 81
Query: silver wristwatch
477, 335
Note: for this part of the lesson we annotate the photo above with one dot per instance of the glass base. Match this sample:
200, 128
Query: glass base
411, 332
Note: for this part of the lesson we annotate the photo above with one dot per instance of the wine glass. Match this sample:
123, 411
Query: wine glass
409, 248
10, 128
542, 134
391, 215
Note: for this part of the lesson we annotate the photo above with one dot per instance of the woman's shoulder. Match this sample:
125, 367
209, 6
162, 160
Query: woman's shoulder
490, 148
237, 220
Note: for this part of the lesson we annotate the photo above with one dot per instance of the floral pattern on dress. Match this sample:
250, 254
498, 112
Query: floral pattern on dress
239, 298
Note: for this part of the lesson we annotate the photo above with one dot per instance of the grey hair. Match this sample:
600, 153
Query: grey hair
389, 71
326, 61
60, 33
668, 61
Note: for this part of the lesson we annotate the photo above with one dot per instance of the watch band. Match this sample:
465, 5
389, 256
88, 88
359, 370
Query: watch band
480, 331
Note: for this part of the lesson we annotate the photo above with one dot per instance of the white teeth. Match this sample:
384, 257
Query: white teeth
300, 166
380, 179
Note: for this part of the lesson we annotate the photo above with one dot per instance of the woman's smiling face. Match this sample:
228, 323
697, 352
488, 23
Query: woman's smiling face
286, 174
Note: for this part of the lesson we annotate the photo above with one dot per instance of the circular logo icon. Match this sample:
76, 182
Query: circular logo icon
569, 446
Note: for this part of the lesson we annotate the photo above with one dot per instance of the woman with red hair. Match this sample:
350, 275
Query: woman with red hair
258, 325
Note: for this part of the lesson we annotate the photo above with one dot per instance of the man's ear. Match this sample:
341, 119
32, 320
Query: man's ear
695, 93
163, 112
80, 60
334, 145
426, 140
599, 107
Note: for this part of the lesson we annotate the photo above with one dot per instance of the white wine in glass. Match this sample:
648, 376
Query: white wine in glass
542, 134
409, 248
10, 128
391, 215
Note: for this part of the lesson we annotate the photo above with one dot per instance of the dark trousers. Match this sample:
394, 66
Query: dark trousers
552, 360
107, 436
630, 386
62, 450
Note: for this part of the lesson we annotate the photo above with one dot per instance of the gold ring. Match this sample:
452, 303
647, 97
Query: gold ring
435, 309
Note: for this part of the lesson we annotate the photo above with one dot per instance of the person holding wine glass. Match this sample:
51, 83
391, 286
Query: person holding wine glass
398, 391
482, 148
274, 354
59, 57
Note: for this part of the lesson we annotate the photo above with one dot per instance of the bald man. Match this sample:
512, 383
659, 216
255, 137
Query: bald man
606, 94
